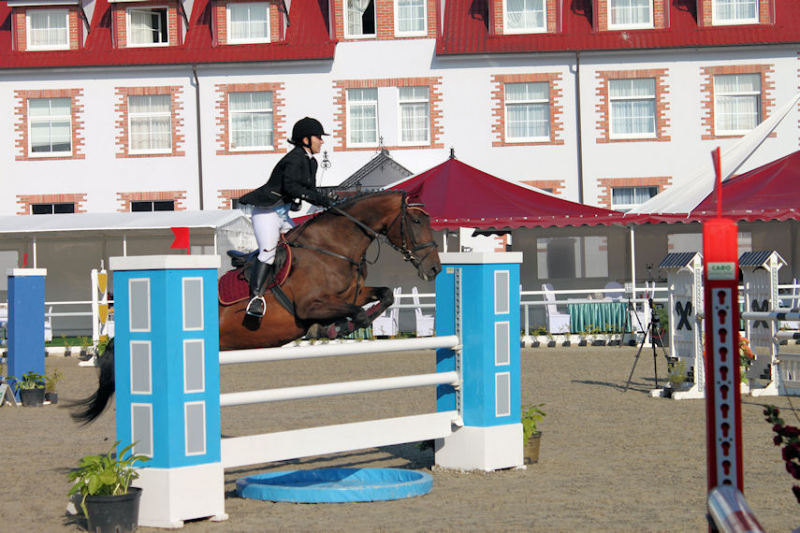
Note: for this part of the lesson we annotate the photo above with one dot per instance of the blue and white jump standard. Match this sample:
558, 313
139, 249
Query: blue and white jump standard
25, 321
167, 383
168, 392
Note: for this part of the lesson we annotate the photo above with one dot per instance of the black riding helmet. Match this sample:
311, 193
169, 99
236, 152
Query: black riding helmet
306, 127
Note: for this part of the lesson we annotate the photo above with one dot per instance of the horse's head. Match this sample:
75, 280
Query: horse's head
411, 234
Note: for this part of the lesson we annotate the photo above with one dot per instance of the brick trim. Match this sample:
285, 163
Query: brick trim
557, 186
220, 21
120, 22
21, 142
603, 105
25, 201
707, 98
121, 123
556, 93
384, 22
20, 27
497, 18
225, 197
125, 199
660, 15
604, 186
223, 122
705, 13
434, 106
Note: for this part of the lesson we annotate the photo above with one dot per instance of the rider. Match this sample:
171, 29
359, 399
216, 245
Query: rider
293, 179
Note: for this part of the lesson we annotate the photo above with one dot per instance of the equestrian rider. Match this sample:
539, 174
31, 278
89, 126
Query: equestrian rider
293, 179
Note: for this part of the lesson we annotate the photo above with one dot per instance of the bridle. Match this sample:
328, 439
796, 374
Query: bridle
408, 247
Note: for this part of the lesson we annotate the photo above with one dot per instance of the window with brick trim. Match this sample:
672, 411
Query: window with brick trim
250, 115
50, 124
415, 119
626, 198
152, 205
410, 18
362, 117
147, 26
632, 104
735, 12
630, 14
359, 18
54, 208
151, 201
527, 111
737, 103
524, 16
248, 22
150, 123
47, 29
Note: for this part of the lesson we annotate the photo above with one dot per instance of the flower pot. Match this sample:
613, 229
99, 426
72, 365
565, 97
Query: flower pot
114, 514
31, 397
51, 397
531, 448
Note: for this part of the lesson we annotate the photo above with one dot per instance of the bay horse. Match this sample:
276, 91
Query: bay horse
325, 286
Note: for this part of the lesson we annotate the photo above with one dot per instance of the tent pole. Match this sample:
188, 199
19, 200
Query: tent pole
633, 262
216, 250
124, 244
34, 253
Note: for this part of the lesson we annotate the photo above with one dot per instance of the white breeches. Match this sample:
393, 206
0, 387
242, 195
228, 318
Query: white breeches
268, 224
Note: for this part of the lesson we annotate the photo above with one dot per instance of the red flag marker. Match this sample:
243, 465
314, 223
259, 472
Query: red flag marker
181, 239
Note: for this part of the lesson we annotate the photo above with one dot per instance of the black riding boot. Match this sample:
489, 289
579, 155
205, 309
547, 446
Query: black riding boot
258, 277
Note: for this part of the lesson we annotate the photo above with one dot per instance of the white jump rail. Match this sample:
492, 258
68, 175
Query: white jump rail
785, 367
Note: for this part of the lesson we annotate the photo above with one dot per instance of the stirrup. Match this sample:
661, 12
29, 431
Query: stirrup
256, 307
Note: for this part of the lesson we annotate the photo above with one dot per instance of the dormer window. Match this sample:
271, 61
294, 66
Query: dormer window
360, 18
248, 22
735, 12
47, 29
147, 26
630, 14
524, 16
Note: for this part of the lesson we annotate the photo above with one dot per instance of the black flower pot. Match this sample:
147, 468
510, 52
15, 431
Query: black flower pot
114, 514
51, 397
31, 397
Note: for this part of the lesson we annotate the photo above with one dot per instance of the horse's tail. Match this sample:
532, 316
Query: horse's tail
90, 408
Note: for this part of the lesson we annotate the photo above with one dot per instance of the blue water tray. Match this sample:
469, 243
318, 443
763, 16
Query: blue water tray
328, 485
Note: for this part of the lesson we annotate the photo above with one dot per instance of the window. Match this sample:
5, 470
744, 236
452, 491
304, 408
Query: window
631, 13
49, 209
250, 120
527, 111
414, 115
50, 122
633, 108
360, 17
737, 103
525, 16
410, 17
155, 205
248, 23
362, 117
626, 198
150, 123
735, 11
148, 27
47, 30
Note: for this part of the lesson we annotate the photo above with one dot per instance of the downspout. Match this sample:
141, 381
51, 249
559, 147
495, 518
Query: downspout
199, 137
578, 123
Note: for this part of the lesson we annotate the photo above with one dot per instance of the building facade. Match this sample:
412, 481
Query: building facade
137, 105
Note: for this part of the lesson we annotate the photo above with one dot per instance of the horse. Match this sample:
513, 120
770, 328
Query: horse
325, 285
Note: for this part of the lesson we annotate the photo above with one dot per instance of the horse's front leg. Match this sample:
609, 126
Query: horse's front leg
382, 295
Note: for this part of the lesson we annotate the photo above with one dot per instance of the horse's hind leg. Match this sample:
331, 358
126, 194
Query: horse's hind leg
382, 295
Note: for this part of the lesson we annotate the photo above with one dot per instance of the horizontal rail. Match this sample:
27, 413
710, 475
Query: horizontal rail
297, 443
332, 389
775, 314
794, 335
327, 350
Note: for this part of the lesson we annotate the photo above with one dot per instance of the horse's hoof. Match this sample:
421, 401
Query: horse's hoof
333, 331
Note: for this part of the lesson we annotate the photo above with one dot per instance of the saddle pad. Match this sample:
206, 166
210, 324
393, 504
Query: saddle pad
234, 286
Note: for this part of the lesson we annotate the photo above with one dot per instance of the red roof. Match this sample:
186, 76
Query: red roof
466, 31
307, 37
458, 195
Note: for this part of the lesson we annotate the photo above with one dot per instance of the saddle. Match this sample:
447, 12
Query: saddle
234, 285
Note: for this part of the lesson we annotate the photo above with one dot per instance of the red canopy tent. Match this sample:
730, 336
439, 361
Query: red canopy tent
458, 195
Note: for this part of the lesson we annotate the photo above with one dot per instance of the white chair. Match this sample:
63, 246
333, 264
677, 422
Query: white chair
425, 323
793, 302
48, 325
613, 295
387, 322
556, 322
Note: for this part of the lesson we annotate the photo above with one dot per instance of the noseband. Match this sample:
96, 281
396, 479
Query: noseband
408, 248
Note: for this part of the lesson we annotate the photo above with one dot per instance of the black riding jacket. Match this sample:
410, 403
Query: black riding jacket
294, 177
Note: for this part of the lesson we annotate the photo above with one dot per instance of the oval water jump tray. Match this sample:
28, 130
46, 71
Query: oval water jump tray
328, 485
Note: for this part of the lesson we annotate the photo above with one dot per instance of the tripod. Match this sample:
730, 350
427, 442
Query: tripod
653, 328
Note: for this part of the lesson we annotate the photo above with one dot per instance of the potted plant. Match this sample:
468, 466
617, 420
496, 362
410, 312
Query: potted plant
746, 358
551, 342
31, 389
677, 377
103, 481
50, 382
531, 416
